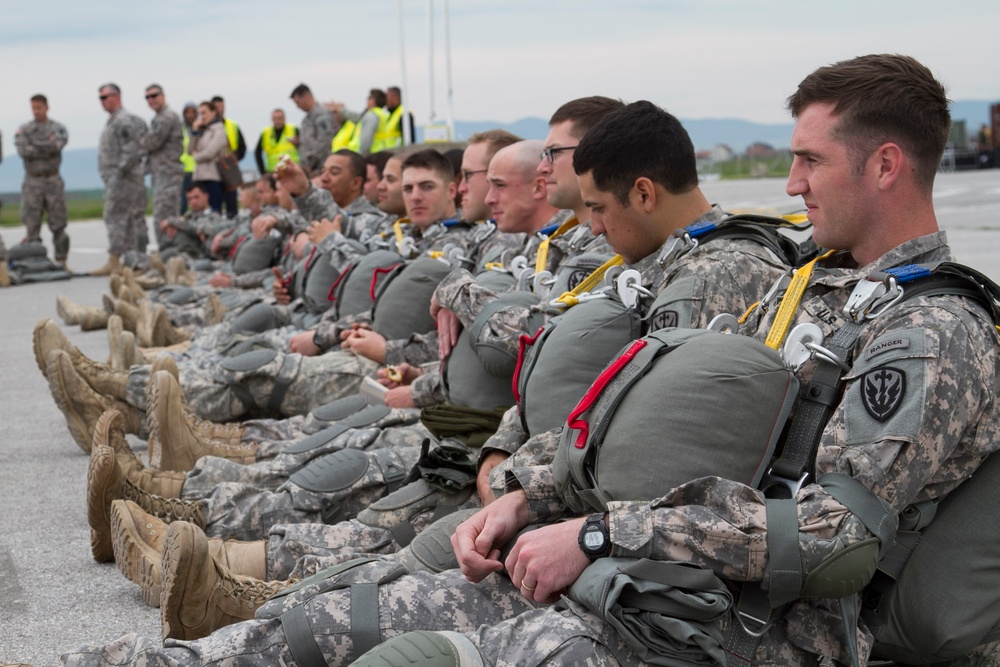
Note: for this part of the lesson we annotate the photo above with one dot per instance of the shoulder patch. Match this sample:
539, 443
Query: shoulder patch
882, 391
662, 320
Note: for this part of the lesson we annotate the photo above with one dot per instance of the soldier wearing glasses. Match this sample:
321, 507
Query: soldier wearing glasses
163, 147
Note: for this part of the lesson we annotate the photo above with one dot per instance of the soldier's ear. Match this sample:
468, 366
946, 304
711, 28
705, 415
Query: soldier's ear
643, 194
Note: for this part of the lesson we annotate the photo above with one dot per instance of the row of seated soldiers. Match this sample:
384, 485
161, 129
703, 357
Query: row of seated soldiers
388, 377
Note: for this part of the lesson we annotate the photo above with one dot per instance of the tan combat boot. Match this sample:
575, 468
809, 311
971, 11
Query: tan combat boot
113, 264
130, 314
4, 274
156, 262
114, 474
128, 352
137, 541
200, 594
215, 312
175, 443
154, 328
89, 318
80, 404
177, 273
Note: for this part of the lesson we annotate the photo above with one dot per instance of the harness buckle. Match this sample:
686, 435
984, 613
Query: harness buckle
542, 281
773, 480
872, 297
776, 292
761, 626
629, 285
678, 246
725, 323
800, 344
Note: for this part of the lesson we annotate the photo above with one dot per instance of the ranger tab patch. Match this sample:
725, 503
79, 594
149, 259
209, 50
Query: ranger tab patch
882, 391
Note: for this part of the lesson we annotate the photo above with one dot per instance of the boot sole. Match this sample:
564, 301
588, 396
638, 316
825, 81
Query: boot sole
139, 562
100, 493
181, 558
76, 423
64, 315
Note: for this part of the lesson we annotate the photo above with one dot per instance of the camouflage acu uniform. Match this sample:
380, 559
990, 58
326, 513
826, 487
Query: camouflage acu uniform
120, 165
316, 137
944, 426
41, 145
163, 146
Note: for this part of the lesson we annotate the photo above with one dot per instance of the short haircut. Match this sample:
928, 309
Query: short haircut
395, 89
585, 113
495, 140
154, 86
40, 98
112, 86
639, 139
300, 90
219, 98
378, 95
882, 98
269, 179
454, 156
429, 158
357, 161
249, 185
378, 159
196, 186
211, 105
278, 109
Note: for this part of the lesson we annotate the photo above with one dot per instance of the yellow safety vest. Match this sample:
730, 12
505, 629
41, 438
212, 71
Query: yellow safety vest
378, 141
394, 128
343, 137
274, 150
186, 158
233, 134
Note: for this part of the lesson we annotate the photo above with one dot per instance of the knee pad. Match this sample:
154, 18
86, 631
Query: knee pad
431, 550
255, 319
399, 511
424, 649
249, 363
339, 409
181, 296
266, 363
367, 416
202, 265
334, 472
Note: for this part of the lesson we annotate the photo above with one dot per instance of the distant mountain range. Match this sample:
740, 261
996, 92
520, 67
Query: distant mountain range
79, 167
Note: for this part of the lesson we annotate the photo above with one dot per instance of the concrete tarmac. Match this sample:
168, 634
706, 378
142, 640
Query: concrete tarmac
53, 596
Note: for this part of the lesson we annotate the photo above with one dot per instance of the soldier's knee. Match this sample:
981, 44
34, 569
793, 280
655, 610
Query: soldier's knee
423, 649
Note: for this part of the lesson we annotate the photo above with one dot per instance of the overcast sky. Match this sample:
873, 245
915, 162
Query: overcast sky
510, 59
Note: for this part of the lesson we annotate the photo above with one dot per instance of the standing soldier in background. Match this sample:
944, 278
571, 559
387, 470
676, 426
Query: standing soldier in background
400, 129
39, 143
276, 141
238, 147
163, 147
120, 163
189, 114
316, 134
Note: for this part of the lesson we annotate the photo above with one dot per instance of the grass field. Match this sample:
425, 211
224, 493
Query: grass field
80, 205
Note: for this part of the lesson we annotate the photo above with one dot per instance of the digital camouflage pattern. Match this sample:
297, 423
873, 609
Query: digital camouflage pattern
120, 165
163, 146
316, 137
40, 145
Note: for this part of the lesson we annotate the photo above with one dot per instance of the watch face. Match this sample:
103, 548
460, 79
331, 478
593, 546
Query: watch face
593, 539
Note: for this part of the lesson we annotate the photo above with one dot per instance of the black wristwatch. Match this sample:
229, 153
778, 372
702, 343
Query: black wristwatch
595, 539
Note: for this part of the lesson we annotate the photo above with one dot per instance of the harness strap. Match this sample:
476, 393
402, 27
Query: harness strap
790, 303
785, 582
569, 299
365, 632
282, 382
299, 637
542, 257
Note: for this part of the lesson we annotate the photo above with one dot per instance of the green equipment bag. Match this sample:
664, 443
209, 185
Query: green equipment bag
29, 263
402, 302
717, 409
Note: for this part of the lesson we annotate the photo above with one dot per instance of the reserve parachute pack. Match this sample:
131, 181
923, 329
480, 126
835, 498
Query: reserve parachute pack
251, 254
29, 263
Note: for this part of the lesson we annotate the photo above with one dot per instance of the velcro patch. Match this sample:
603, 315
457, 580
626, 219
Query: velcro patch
886, 344
663, 319
882, 391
